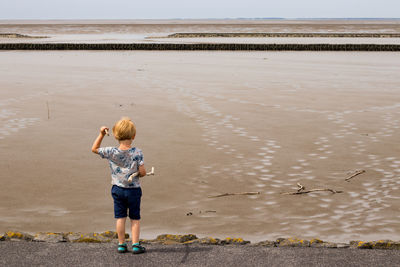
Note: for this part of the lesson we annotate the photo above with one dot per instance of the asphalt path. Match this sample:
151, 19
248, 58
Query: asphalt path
87, 254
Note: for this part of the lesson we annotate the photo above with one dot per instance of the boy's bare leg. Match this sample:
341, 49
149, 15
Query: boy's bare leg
135, 231
121, 230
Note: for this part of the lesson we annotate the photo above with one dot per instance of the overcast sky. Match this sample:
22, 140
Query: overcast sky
165, 9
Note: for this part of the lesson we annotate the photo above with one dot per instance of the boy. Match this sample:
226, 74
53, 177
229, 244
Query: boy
124, 160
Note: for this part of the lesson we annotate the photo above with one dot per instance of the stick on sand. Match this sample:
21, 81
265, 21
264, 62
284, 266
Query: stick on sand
312, 190
235, 194
302, 190
357, 172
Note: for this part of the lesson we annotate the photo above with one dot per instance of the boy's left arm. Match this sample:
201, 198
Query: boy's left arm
141, 168
99, 139
142, 171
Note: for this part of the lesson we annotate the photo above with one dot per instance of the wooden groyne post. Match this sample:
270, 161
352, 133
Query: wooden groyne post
203, 46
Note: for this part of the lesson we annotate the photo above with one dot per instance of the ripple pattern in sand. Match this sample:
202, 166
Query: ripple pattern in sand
364, 205
215, 125
14, 125
366, 209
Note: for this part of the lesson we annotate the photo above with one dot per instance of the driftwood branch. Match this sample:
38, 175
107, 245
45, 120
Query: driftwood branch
300, 187
357, 172
235, 194
299, 192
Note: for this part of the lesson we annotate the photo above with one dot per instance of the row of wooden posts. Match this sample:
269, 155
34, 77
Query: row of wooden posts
282, 34
204, 46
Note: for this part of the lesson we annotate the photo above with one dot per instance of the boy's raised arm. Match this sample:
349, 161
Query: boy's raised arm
99, 139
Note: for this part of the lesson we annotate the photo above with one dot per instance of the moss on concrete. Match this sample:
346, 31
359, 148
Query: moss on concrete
316, 241
234, 241
49, 237
292, 242
360, 244
110, 234
107, 236
171, 239
385, 244
204, 241
10, 235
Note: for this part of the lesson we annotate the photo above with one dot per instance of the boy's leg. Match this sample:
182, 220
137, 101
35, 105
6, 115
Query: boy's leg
134, 215
136, 247
134, 212
135, 231
121, 229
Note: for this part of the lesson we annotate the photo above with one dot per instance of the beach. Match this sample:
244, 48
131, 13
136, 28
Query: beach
210, 122
150, 31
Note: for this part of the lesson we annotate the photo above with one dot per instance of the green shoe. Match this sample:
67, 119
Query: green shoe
122, 248
138, 249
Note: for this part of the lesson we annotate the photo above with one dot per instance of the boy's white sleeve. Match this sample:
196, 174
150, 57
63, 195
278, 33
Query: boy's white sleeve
105, 152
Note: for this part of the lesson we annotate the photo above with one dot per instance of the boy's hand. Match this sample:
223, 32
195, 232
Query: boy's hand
97, 142
104, 130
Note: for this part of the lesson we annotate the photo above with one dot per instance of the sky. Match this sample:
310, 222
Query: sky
197, 9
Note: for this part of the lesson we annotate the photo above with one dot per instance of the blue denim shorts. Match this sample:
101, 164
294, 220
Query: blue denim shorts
126, 199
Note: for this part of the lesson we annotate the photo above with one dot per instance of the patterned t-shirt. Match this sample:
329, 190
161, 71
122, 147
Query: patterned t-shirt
123, 163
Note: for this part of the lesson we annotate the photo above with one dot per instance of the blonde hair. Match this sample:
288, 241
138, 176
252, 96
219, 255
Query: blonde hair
124, 129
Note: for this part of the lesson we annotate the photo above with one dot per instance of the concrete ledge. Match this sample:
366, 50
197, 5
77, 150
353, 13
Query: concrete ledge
168, 239
203, 46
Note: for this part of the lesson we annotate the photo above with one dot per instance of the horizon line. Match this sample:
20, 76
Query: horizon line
228, 18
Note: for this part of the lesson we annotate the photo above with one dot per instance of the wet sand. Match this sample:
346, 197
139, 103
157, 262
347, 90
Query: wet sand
210, 123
